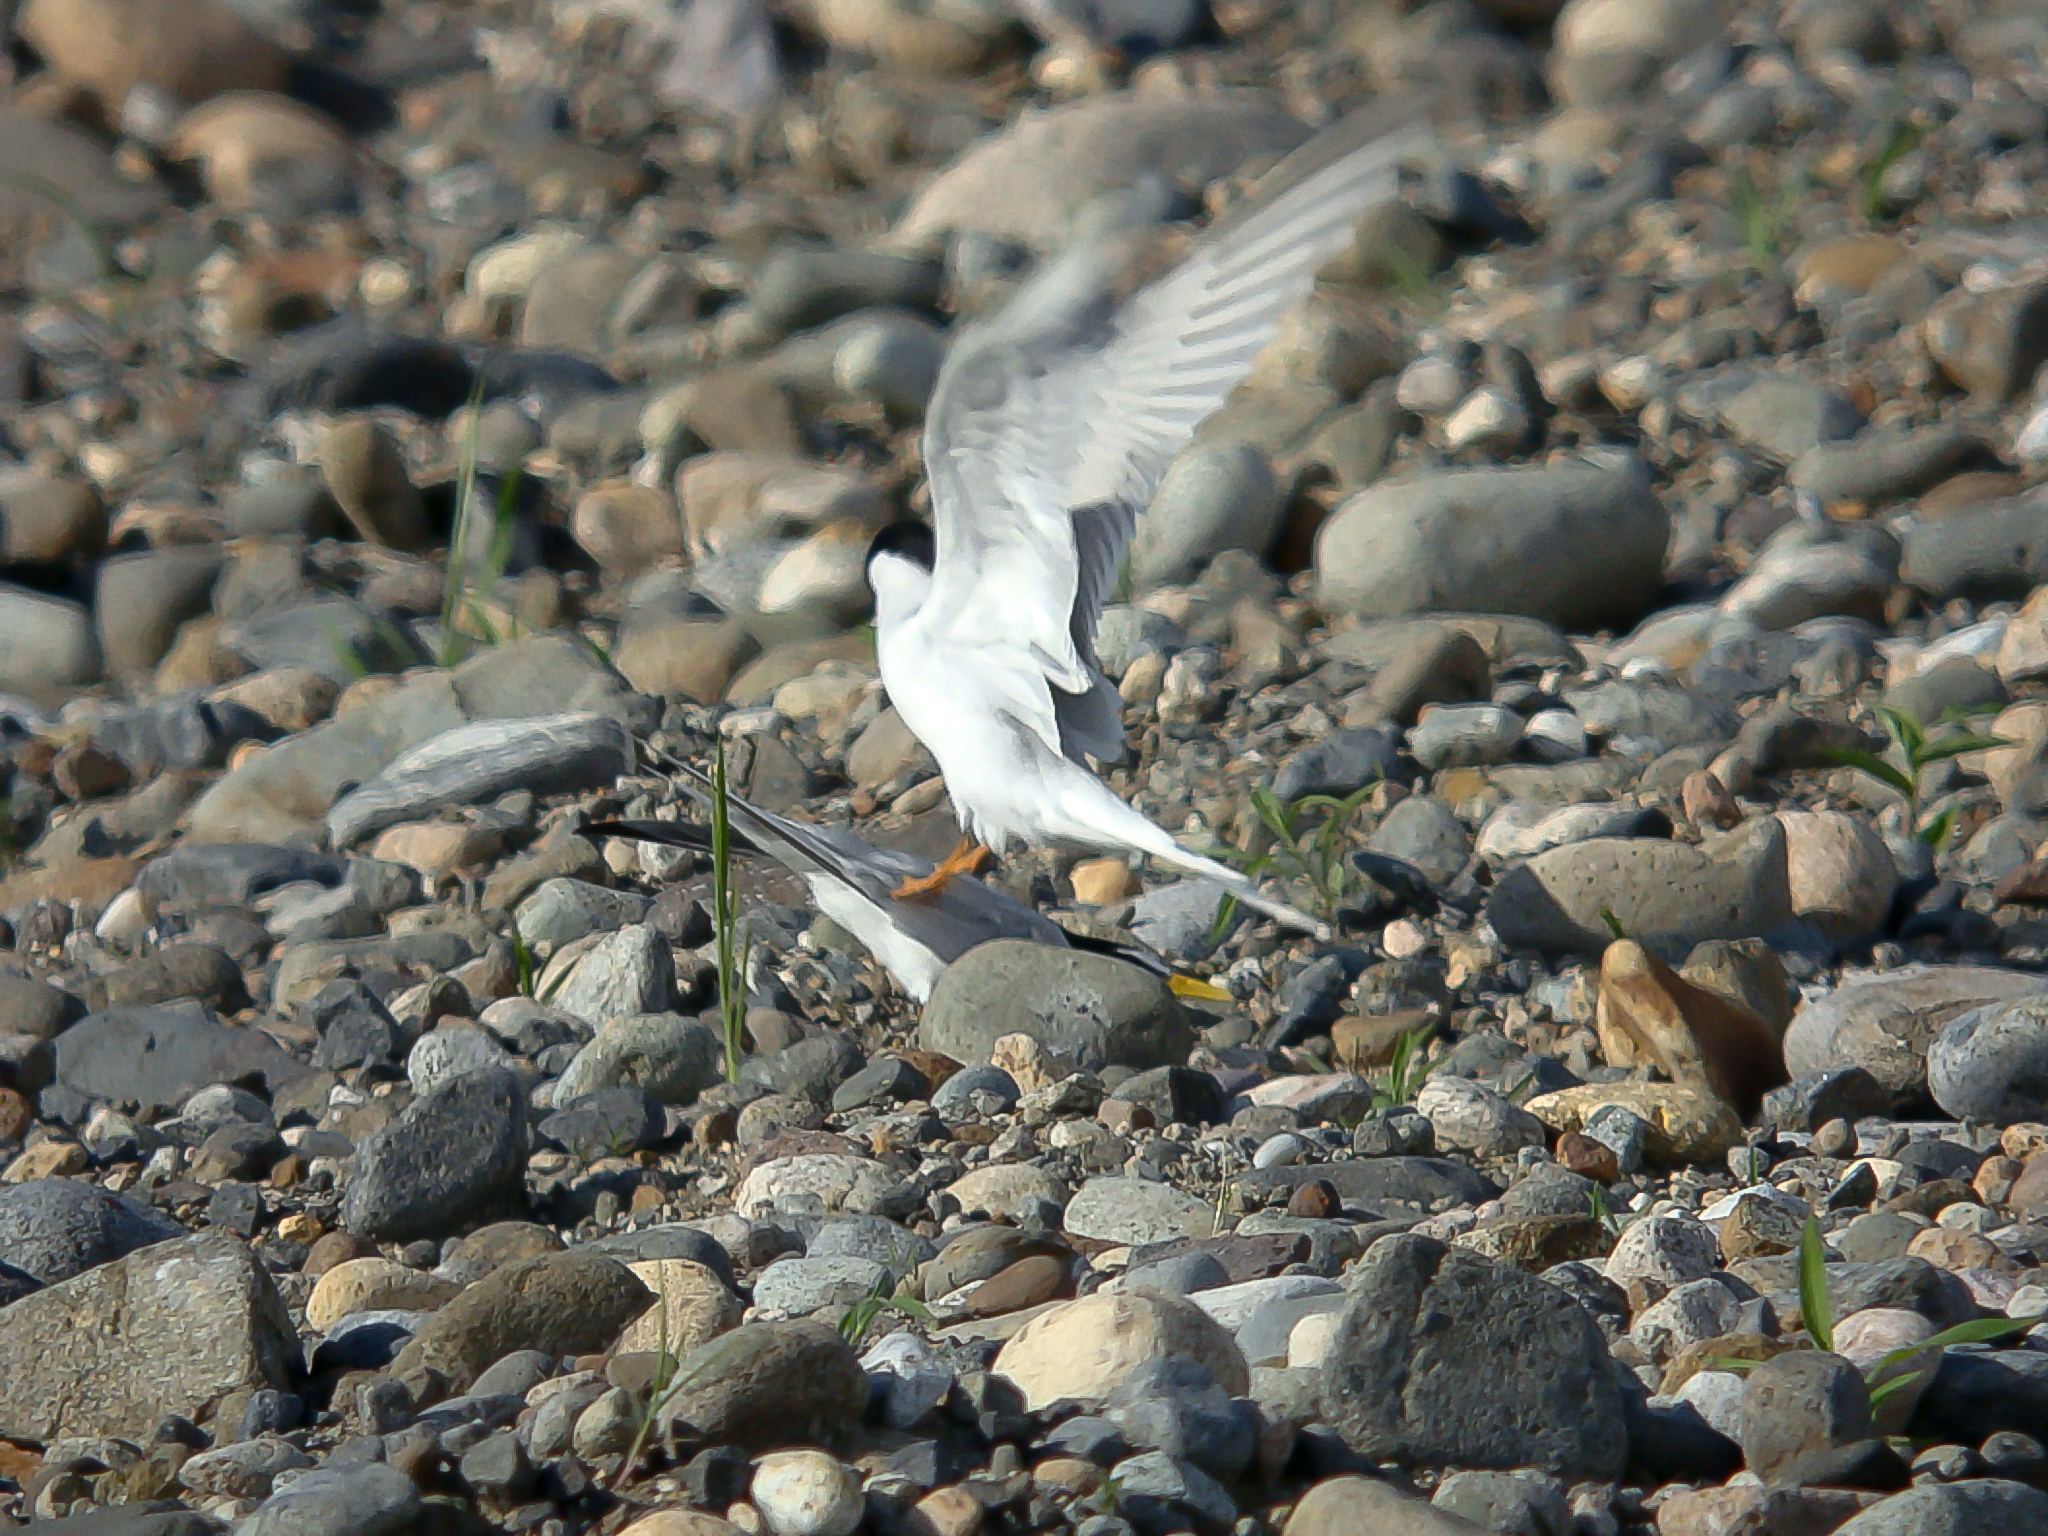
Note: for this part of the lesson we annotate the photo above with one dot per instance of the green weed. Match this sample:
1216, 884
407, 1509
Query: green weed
1313, 854
1764, 217
860, 1317
1904, 138
1406, 1071
1817, 1316
1909, 739
472, 584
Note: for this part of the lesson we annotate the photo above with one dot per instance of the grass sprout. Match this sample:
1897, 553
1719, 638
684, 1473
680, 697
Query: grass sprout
1406, 1071
472, 584
1764, 216
860, 1317
1302, 849
732, 991
1918, 752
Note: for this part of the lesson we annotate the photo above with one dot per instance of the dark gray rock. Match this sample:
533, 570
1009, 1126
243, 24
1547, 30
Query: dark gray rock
455, 1158
1810, 1102
1799, 1403
1158, 1494
1342, 762
367, 1500
1176, 1406
545, 755
1399, 1385
52, 1229
1099, 1010
1978, 1394
1956, 1509
156, 1058
614, 1122
811, 1068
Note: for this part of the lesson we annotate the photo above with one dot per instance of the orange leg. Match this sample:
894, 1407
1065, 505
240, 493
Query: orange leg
968, 858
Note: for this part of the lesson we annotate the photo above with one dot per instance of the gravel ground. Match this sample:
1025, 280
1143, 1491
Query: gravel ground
416, 422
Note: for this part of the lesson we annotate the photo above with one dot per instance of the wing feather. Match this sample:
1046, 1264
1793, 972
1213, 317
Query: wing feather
1053, 422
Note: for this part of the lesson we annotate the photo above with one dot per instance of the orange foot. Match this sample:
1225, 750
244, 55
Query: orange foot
968, 858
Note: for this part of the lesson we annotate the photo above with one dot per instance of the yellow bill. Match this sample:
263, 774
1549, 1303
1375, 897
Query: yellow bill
1197, 989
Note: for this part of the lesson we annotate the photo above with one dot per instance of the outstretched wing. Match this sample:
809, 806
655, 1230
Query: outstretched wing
1053, 422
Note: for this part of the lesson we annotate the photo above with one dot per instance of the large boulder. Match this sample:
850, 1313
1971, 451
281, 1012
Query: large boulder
170, 1329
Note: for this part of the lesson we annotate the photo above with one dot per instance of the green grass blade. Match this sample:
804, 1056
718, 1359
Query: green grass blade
1963, 741
1875, 766
1816, 1311
1938, 829
1906, 731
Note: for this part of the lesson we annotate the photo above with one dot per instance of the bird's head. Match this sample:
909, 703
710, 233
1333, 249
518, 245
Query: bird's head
899, 568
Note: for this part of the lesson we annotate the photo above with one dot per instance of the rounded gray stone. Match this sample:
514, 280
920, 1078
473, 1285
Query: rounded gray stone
1991, 1064
1098, 1010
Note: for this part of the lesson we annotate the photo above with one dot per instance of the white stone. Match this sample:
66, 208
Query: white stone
1468, 1117
1668, 1247
807, 1493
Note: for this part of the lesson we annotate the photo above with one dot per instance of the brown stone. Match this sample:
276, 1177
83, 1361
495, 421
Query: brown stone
1588, 1158
1949, 1250
189, 49
1366, 1041
332, 1249
1707, 801
1649, 1014
1535, 1243
16, 1115
1317, 1198
1101, 882
1029, 1282
242, 139
1995, 1178
1757, 1229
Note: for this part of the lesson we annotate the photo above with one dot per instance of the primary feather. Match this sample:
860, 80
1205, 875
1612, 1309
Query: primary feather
1052, 423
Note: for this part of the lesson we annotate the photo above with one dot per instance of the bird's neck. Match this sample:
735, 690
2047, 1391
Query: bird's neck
900, 588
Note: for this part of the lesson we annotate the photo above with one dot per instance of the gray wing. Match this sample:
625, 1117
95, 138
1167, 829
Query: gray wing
1052, 424
965, 914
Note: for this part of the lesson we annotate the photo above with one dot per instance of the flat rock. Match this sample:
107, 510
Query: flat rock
156, 1058
1885, 1023
1668, 896
1580, 544
545, 755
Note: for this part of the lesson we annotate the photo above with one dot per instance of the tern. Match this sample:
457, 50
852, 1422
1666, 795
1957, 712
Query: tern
1048, 431
852, 881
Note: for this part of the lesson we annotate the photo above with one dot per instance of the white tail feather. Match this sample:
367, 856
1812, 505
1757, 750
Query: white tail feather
1125, 824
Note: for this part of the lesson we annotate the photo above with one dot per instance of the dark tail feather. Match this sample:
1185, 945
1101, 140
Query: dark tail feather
669, 834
